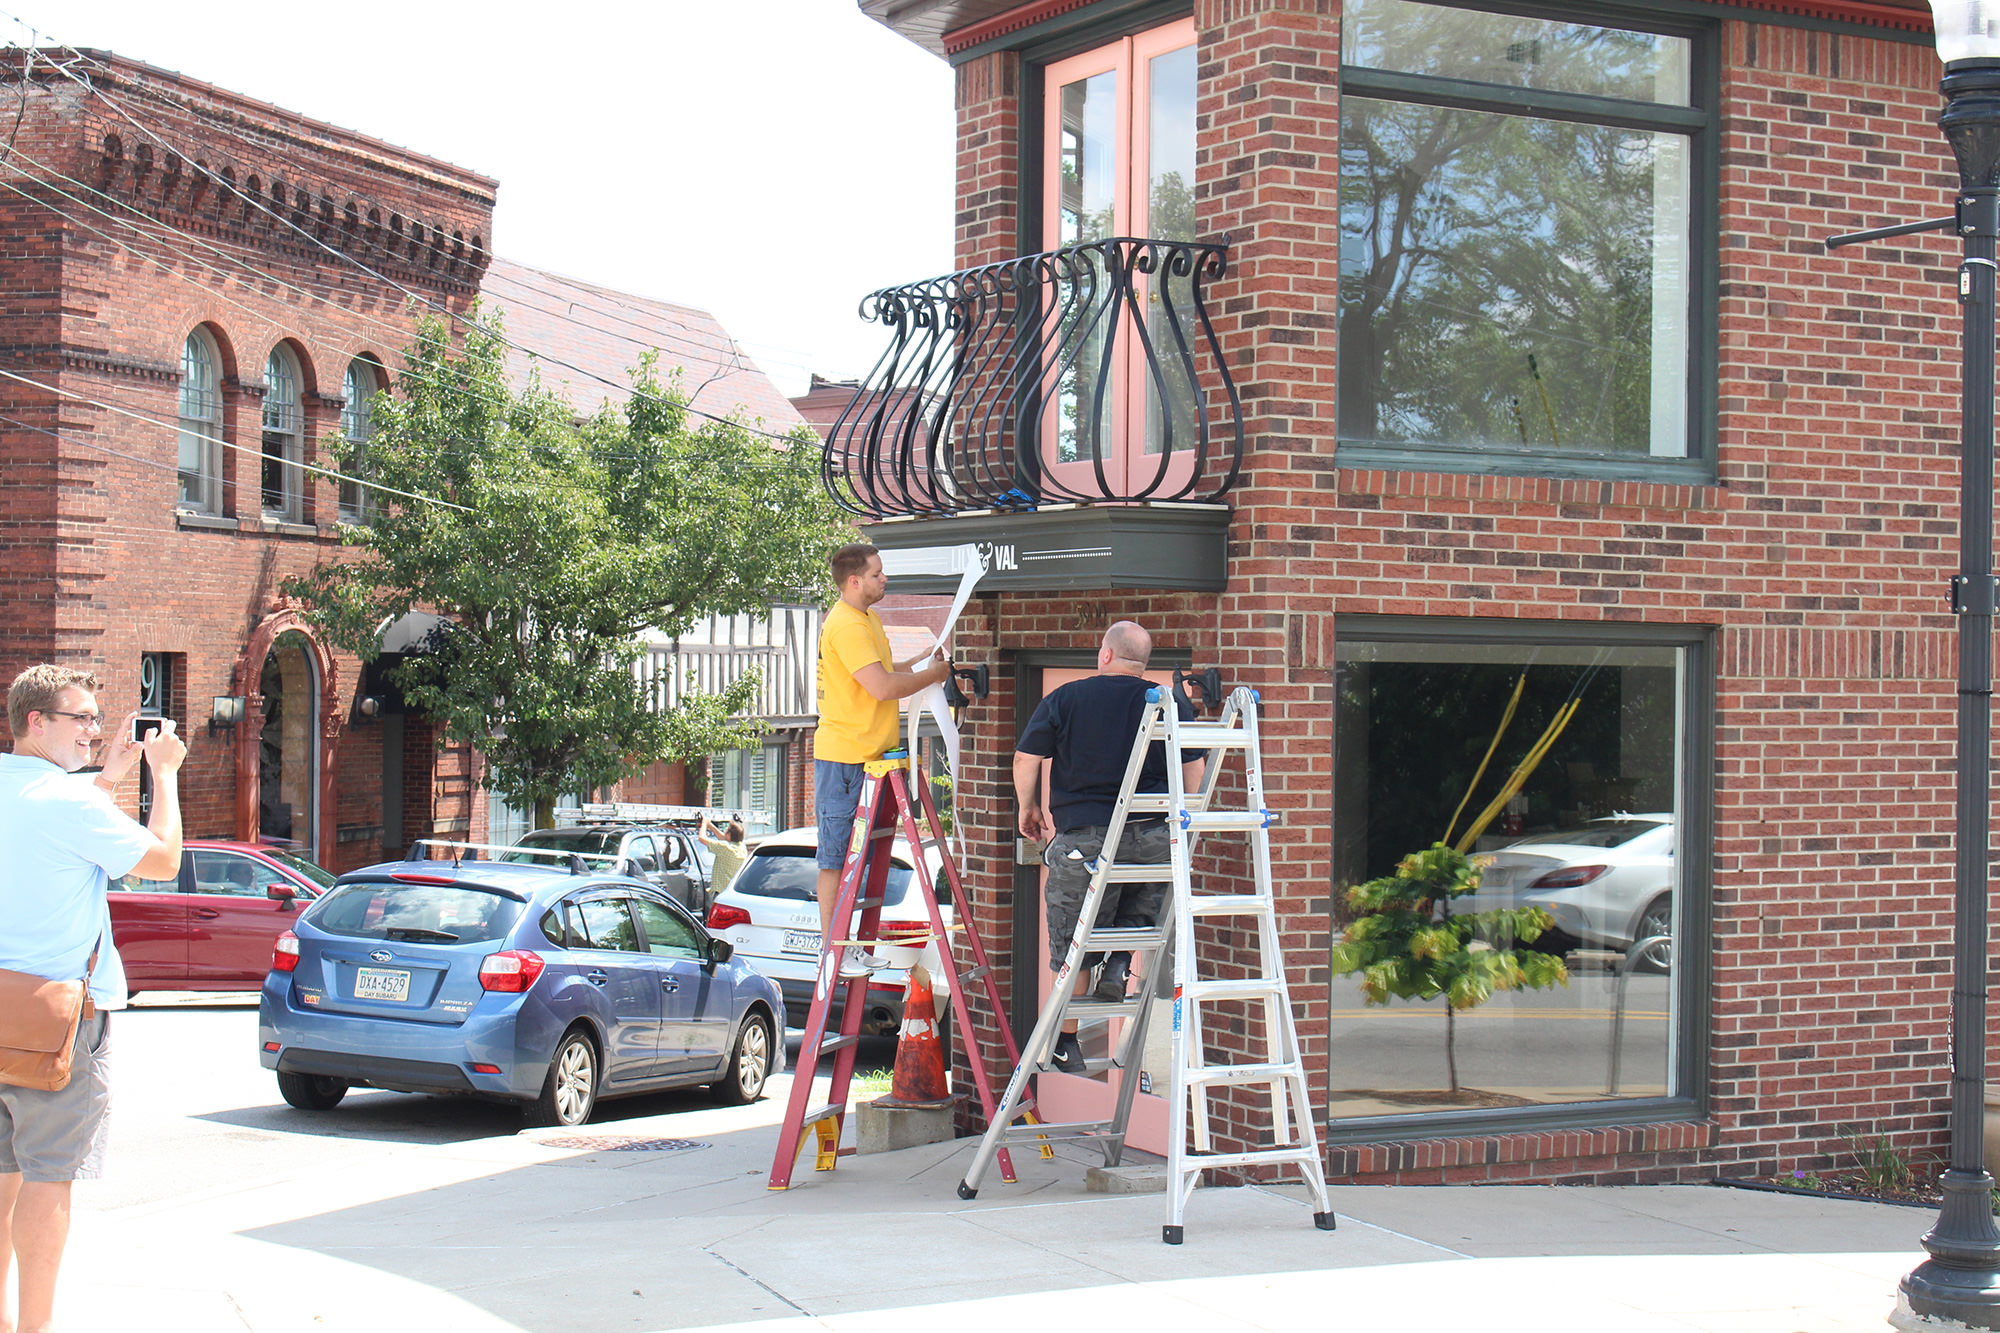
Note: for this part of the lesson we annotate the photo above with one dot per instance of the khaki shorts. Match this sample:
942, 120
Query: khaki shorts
50, 1137
1068, 858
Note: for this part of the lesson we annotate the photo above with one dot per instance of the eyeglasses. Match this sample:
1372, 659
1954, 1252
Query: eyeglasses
94, 721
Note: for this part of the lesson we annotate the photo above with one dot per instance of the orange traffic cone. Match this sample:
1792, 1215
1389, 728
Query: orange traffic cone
919, 1078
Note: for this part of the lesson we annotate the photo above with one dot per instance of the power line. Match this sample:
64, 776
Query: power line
263, 207
239, 448
148, 225
399, 331
730, 474
100, 448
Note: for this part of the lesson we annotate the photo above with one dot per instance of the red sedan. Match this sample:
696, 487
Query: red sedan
212, 929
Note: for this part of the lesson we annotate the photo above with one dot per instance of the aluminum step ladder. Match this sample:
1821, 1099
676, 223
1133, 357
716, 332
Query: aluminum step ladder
1293, 1141
884, 812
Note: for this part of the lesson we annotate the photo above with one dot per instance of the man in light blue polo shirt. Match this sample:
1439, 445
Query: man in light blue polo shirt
61, 840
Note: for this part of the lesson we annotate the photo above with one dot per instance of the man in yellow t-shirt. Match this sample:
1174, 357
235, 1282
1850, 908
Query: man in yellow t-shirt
859, 687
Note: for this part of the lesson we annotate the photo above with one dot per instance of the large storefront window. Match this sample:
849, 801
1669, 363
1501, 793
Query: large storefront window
1517, 235
1560, 766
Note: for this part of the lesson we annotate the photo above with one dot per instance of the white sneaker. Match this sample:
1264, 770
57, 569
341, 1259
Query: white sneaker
855, 963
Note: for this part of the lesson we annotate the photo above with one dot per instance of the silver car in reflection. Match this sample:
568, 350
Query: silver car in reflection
1608, 884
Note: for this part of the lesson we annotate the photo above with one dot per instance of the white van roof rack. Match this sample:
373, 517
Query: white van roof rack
428, 849
638, 812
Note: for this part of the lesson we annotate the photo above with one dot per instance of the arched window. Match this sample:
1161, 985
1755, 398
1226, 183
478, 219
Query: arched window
283, 493
201, 426
356, 425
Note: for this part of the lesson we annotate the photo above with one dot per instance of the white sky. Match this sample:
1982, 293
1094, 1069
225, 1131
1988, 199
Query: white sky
770, 161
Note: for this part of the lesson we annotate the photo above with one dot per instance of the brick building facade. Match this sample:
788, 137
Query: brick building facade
234, 277
1741, 574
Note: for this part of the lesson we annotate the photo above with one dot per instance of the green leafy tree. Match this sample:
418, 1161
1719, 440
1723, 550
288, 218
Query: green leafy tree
559, 541
1407, 944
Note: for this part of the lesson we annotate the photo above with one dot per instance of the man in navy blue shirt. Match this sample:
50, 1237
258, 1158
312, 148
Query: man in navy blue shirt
1086, 729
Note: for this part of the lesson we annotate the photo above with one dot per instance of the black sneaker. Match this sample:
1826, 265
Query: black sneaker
1068, 1055
1111, 979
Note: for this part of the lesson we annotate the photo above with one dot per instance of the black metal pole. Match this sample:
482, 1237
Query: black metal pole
1961, 1279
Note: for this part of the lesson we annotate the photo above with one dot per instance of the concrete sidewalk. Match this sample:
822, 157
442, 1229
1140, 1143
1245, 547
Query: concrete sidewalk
553, 1230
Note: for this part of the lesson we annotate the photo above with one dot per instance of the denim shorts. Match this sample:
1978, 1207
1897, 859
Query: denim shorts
836, 792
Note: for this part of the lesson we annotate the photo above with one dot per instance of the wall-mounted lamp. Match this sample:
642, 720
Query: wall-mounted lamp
367, 708
225, 713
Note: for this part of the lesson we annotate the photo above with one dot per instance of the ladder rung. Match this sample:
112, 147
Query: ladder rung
975, 973
1227, 821
1074, 1129
824, 1113
1210, 735
1194, 1162
1125, 939
1137, 872
1218, 904
1084, 1010
1235, 988
1149, 802
1243, 1073
838, 1042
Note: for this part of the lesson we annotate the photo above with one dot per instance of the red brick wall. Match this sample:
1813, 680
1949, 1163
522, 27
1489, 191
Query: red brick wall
105, 290
1819, 559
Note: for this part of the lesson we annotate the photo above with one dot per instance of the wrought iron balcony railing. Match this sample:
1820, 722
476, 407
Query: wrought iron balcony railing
1088, 374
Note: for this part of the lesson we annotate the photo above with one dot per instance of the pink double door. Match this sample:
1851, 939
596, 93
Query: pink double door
1070, 1097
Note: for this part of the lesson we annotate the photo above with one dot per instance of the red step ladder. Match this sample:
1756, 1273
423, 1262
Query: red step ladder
883, 813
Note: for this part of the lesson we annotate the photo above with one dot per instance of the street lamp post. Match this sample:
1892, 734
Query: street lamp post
1961, 1279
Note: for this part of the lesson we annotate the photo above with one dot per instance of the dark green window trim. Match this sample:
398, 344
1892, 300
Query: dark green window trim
1650, 16
1081, 29
1696, 817
1701, 121
1432, 91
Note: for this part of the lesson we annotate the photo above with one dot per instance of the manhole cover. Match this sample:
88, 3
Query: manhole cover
621, 1143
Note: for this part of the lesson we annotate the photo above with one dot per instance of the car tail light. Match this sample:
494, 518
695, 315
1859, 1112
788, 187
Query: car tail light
510, 970
408, 878
486, 1069
724, 915
1569, 877
285, 953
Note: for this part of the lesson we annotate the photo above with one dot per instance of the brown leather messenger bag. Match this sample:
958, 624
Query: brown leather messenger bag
38, 1023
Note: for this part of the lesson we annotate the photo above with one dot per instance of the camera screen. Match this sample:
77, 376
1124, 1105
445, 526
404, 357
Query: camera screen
142, 727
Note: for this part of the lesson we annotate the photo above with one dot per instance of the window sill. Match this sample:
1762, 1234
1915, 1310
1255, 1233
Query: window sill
1528, 1123
1659, 1149
1672, 483
250, 526
1553, 463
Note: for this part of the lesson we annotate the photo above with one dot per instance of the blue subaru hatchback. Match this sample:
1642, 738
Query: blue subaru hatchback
550, 987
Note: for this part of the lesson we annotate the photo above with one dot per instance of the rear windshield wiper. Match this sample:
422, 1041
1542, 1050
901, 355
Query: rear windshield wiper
418, 935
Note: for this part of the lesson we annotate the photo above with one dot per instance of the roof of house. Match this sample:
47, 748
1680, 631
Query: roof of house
586, 335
